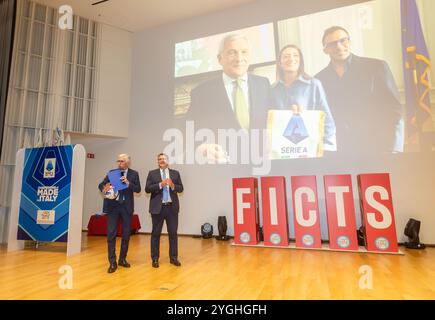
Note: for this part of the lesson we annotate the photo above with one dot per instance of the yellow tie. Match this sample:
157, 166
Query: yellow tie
240, 105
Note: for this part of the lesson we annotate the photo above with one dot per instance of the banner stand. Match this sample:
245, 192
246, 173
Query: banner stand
74, 244
13, 243
75, 203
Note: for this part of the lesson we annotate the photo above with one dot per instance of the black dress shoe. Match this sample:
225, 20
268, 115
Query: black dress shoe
124, 263
175, 262
112, 268
155, 263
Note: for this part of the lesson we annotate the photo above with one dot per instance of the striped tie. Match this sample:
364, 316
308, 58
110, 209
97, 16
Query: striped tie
165, 189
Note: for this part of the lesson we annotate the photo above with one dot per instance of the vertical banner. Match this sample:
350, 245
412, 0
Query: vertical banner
45, 194
306, 212
377, 212
245, 211
274, 204
340, 211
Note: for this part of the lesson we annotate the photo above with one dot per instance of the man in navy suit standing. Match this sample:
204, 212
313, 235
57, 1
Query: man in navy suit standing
164, 184
120, 207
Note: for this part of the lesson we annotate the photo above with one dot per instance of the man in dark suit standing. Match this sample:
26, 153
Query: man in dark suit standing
120, 207
164, 184
234, 100
363, 97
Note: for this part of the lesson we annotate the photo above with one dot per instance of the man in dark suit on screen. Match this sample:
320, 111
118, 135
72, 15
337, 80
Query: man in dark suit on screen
234, 100
363, 97
121, 207
164, 184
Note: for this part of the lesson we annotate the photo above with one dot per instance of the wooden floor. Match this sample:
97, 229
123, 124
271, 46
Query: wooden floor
215, 270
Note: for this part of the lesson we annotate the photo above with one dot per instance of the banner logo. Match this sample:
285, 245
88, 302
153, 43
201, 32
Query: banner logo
45, 217
296, 131
275, 238
245, 237
343, 242
50, 168
382, 243
308, 240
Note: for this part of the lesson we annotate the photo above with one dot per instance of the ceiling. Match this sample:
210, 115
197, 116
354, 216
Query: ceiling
137, 15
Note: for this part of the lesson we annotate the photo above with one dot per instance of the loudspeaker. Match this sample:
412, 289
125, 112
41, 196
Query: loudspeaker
361, 237
207, 230
412, 231
222, 227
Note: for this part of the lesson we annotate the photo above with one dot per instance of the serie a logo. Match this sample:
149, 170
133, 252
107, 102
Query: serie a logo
50, 168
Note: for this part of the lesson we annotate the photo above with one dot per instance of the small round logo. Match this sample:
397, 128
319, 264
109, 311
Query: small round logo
111, 194
245, 237
343, 242
382, 243
308, 240
275, 238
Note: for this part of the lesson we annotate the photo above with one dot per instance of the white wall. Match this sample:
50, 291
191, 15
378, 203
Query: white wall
114, 81
113, 116
3, 225
208, 188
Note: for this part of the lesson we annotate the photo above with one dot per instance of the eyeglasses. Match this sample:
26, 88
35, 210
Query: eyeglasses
334, 44
120, 161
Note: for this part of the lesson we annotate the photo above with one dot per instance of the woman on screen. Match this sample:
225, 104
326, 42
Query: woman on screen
295, 90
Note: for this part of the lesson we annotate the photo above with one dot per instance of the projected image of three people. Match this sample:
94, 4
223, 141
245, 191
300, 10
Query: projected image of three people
353, 103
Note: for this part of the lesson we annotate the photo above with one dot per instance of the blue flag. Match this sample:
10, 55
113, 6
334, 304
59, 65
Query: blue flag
417, 66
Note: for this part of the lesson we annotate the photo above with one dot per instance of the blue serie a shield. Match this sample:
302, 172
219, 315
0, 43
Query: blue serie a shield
295, 135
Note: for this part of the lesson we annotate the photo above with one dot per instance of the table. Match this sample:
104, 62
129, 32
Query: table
97, 225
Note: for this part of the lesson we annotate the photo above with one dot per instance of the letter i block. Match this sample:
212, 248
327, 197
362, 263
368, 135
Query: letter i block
377, 212
306, 212
340, 211
245, 209
274, 204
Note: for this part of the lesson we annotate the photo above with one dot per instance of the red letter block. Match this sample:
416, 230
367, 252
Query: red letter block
274, 204
306, 212
245, 206
340, 211
377, 212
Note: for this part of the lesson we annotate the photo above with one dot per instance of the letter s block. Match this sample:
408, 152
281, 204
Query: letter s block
377, 212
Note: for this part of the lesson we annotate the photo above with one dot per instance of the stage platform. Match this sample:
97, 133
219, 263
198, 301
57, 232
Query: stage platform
214, 269
324, 247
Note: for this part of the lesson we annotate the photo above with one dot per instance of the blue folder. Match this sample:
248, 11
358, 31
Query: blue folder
115, 179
